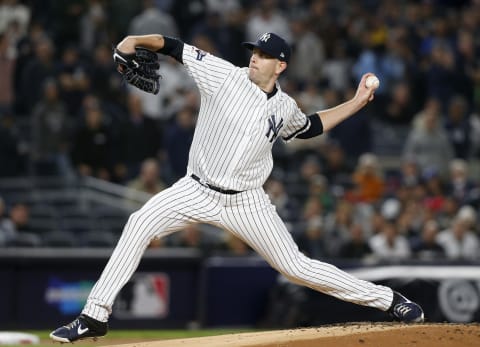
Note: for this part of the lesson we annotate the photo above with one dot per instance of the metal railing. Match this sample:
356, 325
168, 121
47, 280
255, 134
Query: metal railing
84, 191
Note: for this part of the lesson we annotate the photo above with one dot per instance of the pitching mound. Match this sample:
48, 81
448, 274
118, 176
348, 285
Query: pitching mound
356, 334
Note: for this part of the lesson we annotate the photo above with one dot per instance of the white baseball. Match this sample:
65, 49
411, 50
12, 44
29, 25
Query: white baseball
372, 81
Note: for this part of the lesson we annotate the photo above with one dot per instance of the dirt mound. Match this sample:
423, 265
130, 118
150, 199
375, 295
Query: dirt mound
346, 335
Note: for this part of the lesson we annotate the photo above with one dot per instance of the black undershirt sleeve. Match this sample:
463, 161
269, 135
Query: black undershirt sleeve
316, 127
172, 47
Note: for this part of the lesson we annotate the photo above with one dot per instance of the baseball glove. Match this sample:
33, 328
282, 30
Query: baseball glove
140, 69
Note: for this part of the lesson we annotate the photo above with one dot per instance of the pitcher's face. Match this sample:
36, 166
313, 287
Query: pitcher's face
263, 67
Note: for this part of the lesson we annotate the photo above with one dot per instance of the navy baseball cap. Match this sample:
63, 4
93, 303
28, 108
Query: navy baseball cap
272, 44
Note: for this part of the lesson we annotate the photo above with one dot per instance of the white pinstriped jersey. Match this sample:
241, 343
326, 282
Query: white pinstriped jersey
237, 125
231, 148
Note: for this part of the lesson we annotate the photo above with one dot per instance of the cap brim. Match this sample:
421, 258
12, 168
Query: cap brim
249, 45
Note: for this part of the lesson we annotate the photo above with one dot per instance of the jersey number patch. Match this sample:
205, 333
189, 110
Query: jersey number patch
273, 127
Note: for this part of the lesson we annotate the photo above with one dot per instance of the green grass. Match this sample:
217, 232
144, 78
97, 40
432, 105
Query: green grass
116, 336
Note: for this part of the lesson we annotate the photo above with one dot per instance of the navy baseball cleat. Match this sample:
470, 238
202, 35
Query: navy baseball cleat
404, 310
81, 328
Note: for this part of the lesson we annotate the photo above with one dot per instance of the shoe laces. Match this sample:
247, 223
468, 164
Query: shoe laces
73, 324
403, 309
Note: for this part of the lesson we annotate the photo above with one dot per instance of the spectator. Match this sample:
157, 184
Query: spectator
312, 208
412, 217
20, 218
94, 28
233, 246
205, 43
310, 97
356, 246
141, 137
72, 79
459, 241
7, 228
460, 186
7, 70
368, 179
172, 96
51, 131
309, 169
312, 240
428, 143
105, 81
222, 7
286, 206
92, 143
398, 108
447, 213
475, 136
336, 169
149, 180
308, 54
426, 247
434, 189
431, 106
442, 78
389, 244
468, 214
192, 236
14, 11
375, 58
410, 175
337, 223
24, 55
68, 16
336, 68
467, 63
40, 68
179, 93
319, 189
12, 154
232, 29
346, 133
391, 209
24, 231
178, 138
188, 14
153, 20
457, 127
267, 18
222, 30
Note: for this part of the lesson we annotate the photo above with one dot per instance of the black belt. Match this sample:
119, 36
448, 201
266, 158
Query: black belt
217, 189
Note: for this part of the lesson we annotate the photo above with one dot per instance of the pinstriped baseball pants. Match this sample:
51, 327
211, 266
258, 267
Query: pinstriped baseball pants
248, 215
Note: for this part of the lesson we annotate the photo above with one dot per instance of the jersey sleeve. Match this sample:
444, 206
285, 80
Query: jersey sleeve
208, 71
297, 124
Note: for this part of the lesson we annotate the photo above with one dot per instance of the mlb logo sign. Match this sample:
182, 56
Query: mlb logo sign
146, 296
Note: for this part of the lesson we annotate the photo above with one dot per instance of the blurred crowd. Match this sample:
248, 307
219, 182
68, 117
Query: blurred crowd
399, 180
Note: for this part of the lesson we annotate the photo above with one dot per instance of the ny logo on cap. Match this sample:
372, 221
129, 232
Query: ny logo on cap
265, 37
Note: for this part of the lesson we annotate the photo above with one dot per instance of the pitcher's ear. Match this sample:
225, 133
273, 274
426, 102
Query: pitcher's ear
281, 66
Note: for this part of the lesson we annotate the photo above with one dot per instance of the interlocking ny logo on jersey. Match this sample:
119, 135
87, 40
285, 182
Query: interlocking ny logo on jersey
273, 127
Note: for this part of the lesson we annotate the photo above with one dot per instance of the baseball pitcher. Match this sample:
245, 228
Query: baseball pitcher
243, 112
